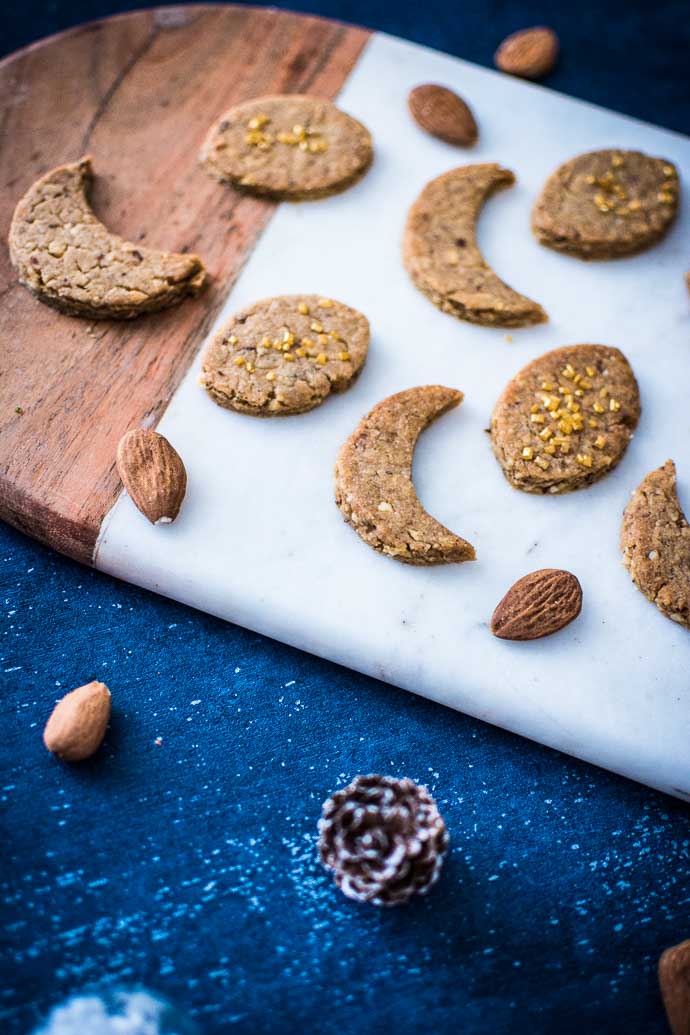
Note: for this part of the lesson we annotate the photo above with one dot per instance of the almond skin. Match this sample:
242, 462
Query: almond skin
77, 723
153, 474
674, 981
537, 605
442, 113
530, 53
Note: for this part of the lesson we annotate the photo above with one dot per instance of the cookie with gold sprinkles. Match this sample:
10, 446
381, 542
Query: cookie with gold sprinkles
285, 355
289, 147
565, 420
606, 204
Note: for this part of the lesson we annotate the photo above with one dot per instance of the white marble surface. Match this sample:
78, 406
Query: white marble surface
260, 541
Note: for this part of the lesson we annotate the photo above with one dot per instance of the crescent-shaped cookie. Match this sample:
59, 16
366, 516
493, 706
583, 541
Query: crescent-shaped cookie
565, 420
441, 254
70, 260
655, 540
285, 355
373, 480
289, 147
606, 204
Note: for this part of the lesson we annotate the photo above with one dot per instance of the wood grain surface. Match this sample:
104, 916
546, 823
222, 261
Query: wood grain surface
138, 93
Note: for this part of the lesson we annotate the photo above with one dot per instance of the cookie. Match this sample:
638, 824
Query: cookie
290, 147
284, 355
69, 259
655, 540
373, 480
441, 254
606, 204
565, 420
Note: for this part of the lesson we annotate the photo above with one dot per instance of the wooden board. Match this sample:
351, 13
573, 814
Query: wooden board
138, 93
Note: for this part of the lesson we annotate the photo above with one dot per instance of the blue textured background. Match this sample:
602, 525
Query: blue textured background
189, 865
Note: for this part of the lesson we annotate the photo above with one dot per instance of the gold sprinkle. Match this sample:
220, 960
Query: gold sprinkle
336, 335
271, 375
598, 408
600, 441
537, 418
287, 138
590, 179
300, 352
509, 338
303, 145
322, 358
298, 130
592, 422
669, 170
323, 339
607, 459
548, 385
303, 308
545, 434
550, 449
535, 408
617, 161
250, 368
584, 459
288, 338
527, 453
266, 342
233, 339
289, 358
307, 342
325, 303
317, 145
579, 393
568, 371
614, 405
316, 327
344, 356
565, 447
258, 121
542, 462
634, 205
665, 197
239, 361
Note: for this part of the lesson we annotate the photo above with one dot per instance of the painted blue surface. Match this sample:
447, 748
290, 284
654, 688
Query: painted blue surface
183, 857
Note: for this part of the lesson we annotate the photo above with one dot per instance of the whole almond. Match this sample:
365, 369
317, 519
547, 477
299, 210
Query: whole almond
530, 53
153, 474
537, 605
77, 723
674, 981
443, 114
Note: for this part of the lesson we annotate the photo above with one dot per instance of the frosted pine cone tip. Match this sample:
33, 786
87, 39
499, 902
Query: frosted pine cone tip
384, 839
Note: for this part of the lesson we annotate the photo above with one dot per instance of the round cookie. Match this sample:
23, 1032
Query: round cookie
284, 355
655, 540
373, 480
605, 204
565, 420
441, 254
70, 260
290, 147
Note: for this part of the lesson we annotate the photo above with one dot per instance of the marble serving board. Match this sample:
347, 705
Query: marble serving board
260, 541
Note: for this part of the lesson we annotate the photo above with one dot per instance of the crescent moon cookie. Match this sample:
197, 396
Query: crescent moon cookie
284, 355
655, 540
441, 254
606, 204
373, 480
290, 147
70, 260
565, 420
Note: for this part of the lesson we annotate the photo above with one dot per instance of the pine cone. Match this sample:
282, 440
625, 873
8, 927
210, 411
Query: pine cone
384, 839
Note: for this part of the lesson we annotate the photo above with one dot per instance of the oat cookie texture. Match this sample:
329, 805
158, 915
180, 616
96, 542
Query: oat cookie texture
565, 420
373, 481
606, 204
285, 355
441, 254
655, 539
289, 147
69, 259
